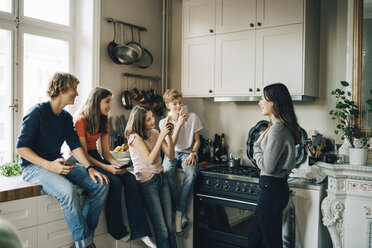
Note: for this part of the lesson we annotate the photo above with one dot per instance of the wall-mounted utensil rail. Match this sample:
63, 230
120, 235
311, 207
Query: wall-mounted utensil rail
140, 76
126, 23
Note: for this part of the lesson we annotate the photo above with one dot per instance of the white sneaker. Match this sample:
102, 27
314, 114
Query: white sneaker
148, 242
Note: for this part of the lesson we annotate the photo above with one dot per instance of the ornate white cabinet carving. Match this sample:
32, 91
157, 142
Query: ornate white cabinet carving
347, 208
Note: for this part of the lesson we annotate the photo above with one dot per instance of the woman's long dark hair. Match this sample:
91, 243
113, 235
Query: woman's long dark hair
279, 95
136, 122
96, 122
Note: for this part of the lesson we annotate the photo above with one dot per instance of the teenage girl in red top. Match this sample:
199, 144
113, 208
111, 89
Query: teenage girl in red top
91, 125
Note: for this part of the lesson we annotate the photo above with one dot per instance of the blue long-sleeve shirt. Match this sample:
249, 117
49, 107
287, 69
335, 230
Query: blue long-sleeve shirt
44, 132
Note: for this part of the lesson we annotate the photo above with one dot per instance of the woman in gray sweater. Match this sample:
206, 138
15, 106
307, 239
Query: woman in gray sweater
274, 153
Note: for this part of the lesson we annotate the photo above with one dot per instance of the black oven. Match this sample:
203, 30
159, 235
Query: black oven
224, 205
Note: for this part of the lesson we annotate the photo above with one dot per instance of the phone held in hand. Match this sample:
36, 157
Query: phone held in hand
169, 117
130, 163
184, 109
70, 161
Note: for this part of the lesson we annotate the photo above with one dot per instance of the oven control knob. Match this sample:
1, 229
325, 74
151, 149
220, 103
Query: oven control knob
244, 189
217, 186
226, 187
251, 190
237, 188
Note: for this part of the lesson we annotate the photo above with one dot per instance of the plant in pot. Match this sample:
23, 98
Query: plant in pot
345, 113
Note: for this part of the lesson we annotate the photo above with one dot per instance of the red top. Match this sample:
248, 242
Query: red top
82, 131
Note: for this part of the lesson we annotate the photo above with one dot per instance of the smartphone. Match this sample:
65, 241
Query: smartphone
70, 161
185, 109
169, 117
126, 165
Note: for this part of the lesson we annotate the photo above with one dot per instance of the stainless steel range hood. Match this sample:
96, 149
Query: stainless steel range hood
295, 98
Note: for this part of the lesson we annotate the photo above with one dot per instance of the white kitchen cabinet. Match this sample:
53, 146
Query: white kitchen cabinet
54, 234
48, 209
271, 13
279, 57
307, 199
21, 213
198, 18
208, 17
29, 237
198, 67
235, 15
235, 64
282, 46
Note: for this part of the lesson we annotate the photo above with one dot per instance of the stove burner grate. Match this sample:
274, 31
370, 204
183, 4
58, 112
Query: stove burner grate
241, 170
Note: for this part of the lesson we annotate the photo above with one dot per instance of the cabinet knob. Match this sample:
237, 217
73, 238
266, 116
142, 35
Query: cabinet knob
252, 25
211, 31
259, 24
258, 89
210, 91
250, 89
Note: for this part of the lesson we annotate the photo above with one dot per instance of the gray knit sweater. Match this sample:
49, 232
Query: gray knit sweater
275, 154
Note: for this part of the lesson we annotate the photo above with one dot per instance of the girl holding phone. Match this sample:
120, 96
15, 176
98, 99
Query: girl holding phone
92, 124
145, 144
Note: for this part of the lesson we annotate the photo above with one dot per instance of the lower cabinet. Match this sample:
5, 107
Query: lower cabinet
307, 199
29, 237
40, 222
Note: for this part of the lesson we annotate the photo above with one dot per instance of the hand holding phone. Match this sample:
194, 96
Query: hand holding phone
126, 165
70, 161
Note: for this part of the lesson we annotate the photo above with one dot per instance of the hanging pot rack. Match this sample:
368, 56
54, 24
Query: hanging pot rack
112, 20
140, 76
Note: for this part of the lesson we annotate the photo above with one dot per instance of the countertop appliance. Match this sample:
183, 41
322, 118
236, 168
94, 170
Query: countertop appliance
224, 203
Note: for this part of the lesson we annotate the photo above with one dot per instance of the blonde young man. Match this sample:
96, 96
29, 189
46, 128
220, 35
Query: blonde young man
44, 129
187, 142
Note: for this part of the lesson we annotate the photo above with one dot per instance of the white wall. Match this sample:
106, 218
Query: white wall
145, 13
236, 119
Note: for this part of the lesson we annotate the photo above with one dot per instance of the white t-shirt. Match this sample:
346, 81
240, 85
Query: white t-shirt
185, 139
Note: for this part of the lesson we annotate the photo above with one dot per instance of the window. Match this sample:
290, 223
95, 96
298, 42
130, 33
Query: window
36, 40
6, 5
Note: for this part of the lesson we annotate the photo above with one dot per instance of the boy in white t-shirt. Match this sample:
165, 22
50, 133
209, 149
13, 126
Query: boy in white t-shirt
187, 142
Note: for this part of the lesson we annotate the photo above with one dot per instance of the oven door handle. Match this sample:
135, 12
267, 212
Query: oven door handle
226, 199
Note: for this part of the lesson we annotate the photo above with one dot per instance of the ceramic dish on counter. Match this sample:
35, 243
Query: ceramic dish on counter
260, 127
120, 155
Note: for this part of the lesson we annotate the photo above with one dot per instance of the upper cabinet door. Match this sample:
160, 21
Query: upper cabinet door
198, 18
272, 13
235, 64
235, 15
198, 67
279, 57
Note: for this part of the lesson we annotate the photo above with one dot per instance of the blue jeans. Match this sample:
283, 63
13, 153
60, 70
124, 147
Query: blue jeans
267, 223
139, 227
157, 199
81, 222
182, 198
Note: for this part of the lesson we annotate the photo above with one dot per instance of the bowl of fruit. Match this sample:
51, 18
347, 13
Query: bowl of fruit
121, 152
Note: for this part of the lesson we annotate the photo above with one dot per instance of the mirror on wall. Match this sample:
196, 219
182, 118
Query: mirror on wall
363, 61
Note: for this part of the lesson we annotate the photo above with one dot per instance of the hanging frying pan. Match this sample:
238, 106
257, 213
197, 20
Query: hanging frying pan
125, 97
146, 59
111, 46
124, 52
135, 45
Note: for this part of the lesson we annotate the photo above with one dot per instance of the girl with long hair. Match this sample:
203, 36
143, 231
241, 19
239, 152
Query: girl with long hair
91, 125
145, 143
274, 152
